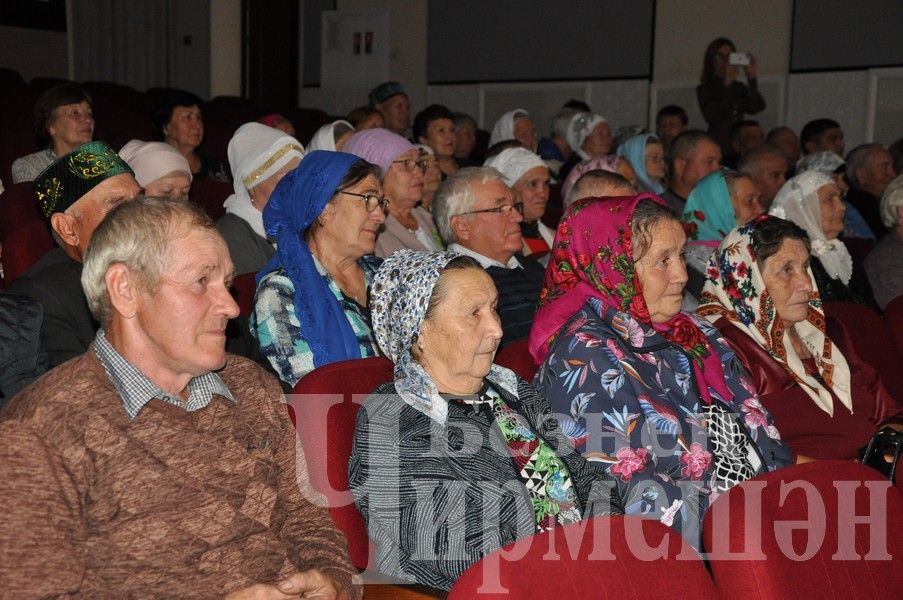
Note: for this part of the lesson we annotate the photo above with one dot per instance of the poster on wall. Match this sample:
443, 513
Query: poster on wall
354, 48
34, 14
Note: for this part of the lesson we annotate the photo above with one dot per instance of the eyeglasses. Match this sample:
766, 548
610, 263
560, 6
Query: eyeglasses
504, 210
411, 163
371, 201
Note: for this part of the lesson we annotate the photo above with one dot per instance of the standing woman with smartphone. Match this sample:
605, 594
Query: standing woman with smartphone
722, 99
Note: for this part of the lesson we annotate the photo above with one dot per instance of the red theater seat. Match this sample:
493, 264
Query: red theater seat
516, 356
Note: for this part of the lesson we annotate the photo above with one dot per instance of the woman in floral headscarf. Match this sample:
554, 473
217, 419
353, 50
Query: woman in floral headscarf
761, 294
650, 394
455, 439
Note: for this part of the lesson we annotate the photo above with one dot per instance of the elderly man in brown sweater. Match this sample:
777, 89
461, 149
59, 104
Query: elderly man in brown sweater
156, 465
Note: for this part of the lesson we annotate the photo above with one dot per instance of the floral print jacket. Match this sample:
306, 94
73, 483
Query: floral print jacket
627, 400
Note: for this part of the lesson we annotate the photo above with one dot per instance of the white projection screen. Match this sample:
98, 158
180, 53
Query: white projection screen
534, 40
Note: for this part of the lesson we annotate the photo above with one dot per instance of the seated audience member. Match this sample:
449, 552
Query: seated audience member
528, 177
434, 316
435, 127
767, 166
693, 155
854, 225
555, 149
884, 264
366, 117
63, 121
813, 202
745, 136
822, 134
670, 122
312, 301
722, 99
159, 168
869, 169
589, 135
277, 121
465, 139
598, 183
432, 175
664, 388
73, 195
407, 225
477, 216
391, 100
178, 121
786, 139
720, 201
826, 402
21, 358
646, 155
514, 125
156, 463
616, 165
259, 157
332, 136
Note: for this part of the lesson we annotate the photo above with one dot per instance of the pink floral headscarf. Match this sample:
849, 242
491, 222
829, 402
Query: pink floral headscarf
592, 257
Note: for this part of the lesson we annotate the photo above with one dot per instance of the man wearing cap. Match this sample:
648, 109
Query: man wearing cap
391, 100
73, 195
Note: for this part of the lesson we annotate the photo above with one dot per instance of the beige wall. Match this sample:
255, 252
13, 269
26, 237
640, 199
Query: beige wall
225, 48
47, 52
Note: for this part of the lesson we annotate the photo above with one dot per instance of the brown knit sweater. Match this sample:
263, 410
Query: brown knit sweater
170, 504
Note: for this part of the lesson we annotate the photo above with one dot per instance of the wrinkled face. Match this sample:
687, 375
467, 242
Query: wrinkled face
770, 177
260, 194
598, 142
351, 222
532, 189
831, 139
786, 277
461, 336
525, 133
701, 163
655, 161
669, 127
403, 187
440, 136
396, 112
171, 186
183, 322
751, 137
185, 128
662, 272
71, 125
832, 208
90, 209
746, 201
465, 139
877, 173
494, 235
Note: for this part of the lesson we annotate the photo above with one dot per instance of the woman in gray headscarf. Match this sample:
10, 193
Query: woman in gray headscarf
455, 438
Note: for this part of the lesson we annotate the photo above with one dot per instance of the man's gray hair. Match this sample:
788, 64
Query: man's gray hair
751, 163
858, 158
456, 196
136, 234
891, 201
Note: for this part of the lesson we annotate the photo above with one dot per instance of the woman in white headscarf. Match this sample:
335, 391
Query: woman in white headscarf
259, 157
590, 136
331, 136
515, 125
814, 202
159, 168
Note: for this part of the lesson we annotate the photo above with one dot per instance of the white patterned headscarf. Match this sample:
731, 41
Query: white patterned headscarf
579, 128
324, 138
513, 163
399, 298
504, 126
256, 152
797, 201
153, 160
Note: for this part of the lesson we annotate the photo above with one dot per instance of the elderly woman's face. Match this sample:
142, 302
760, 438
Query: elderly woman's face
598, 142
185, 128
532, 189
350, 220
746, 201
832, 209
403, 182
457, 344
662, 272
786, 277
175, 187
440, 136
71, 126
525, 133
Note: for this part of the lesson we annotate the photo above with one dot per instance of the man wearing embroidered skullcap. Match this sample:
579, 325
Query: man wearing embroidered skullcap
74, 194
391, 100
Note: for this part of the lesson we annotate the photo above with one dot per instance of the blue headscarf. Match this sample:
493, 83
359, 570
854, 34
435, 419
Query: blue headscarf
709, 212
634, 150
295, 204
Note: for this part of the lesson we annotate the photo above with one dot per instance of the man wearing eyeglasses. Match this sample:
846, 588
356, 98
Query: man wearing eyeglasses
477, 216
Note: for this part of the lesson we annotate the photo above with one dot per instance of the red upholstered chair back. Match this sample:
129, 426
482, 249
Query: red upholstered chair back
554, 208
210, 195
516, 356
24, 235
607, 557
325, 404
794, 535
245, 287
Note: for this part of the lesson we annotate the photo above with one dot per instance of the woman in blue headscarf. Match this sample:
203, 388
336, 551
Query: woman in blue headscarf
646, 155
311, 306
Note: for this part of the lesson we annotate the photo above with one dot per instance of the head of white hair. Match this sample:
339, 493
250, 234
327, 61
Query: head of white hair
456, 196
891, 201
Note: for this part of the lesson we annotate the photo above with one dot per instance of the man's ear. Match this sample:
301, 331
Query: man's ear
66, 227
459, 227
123, 289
